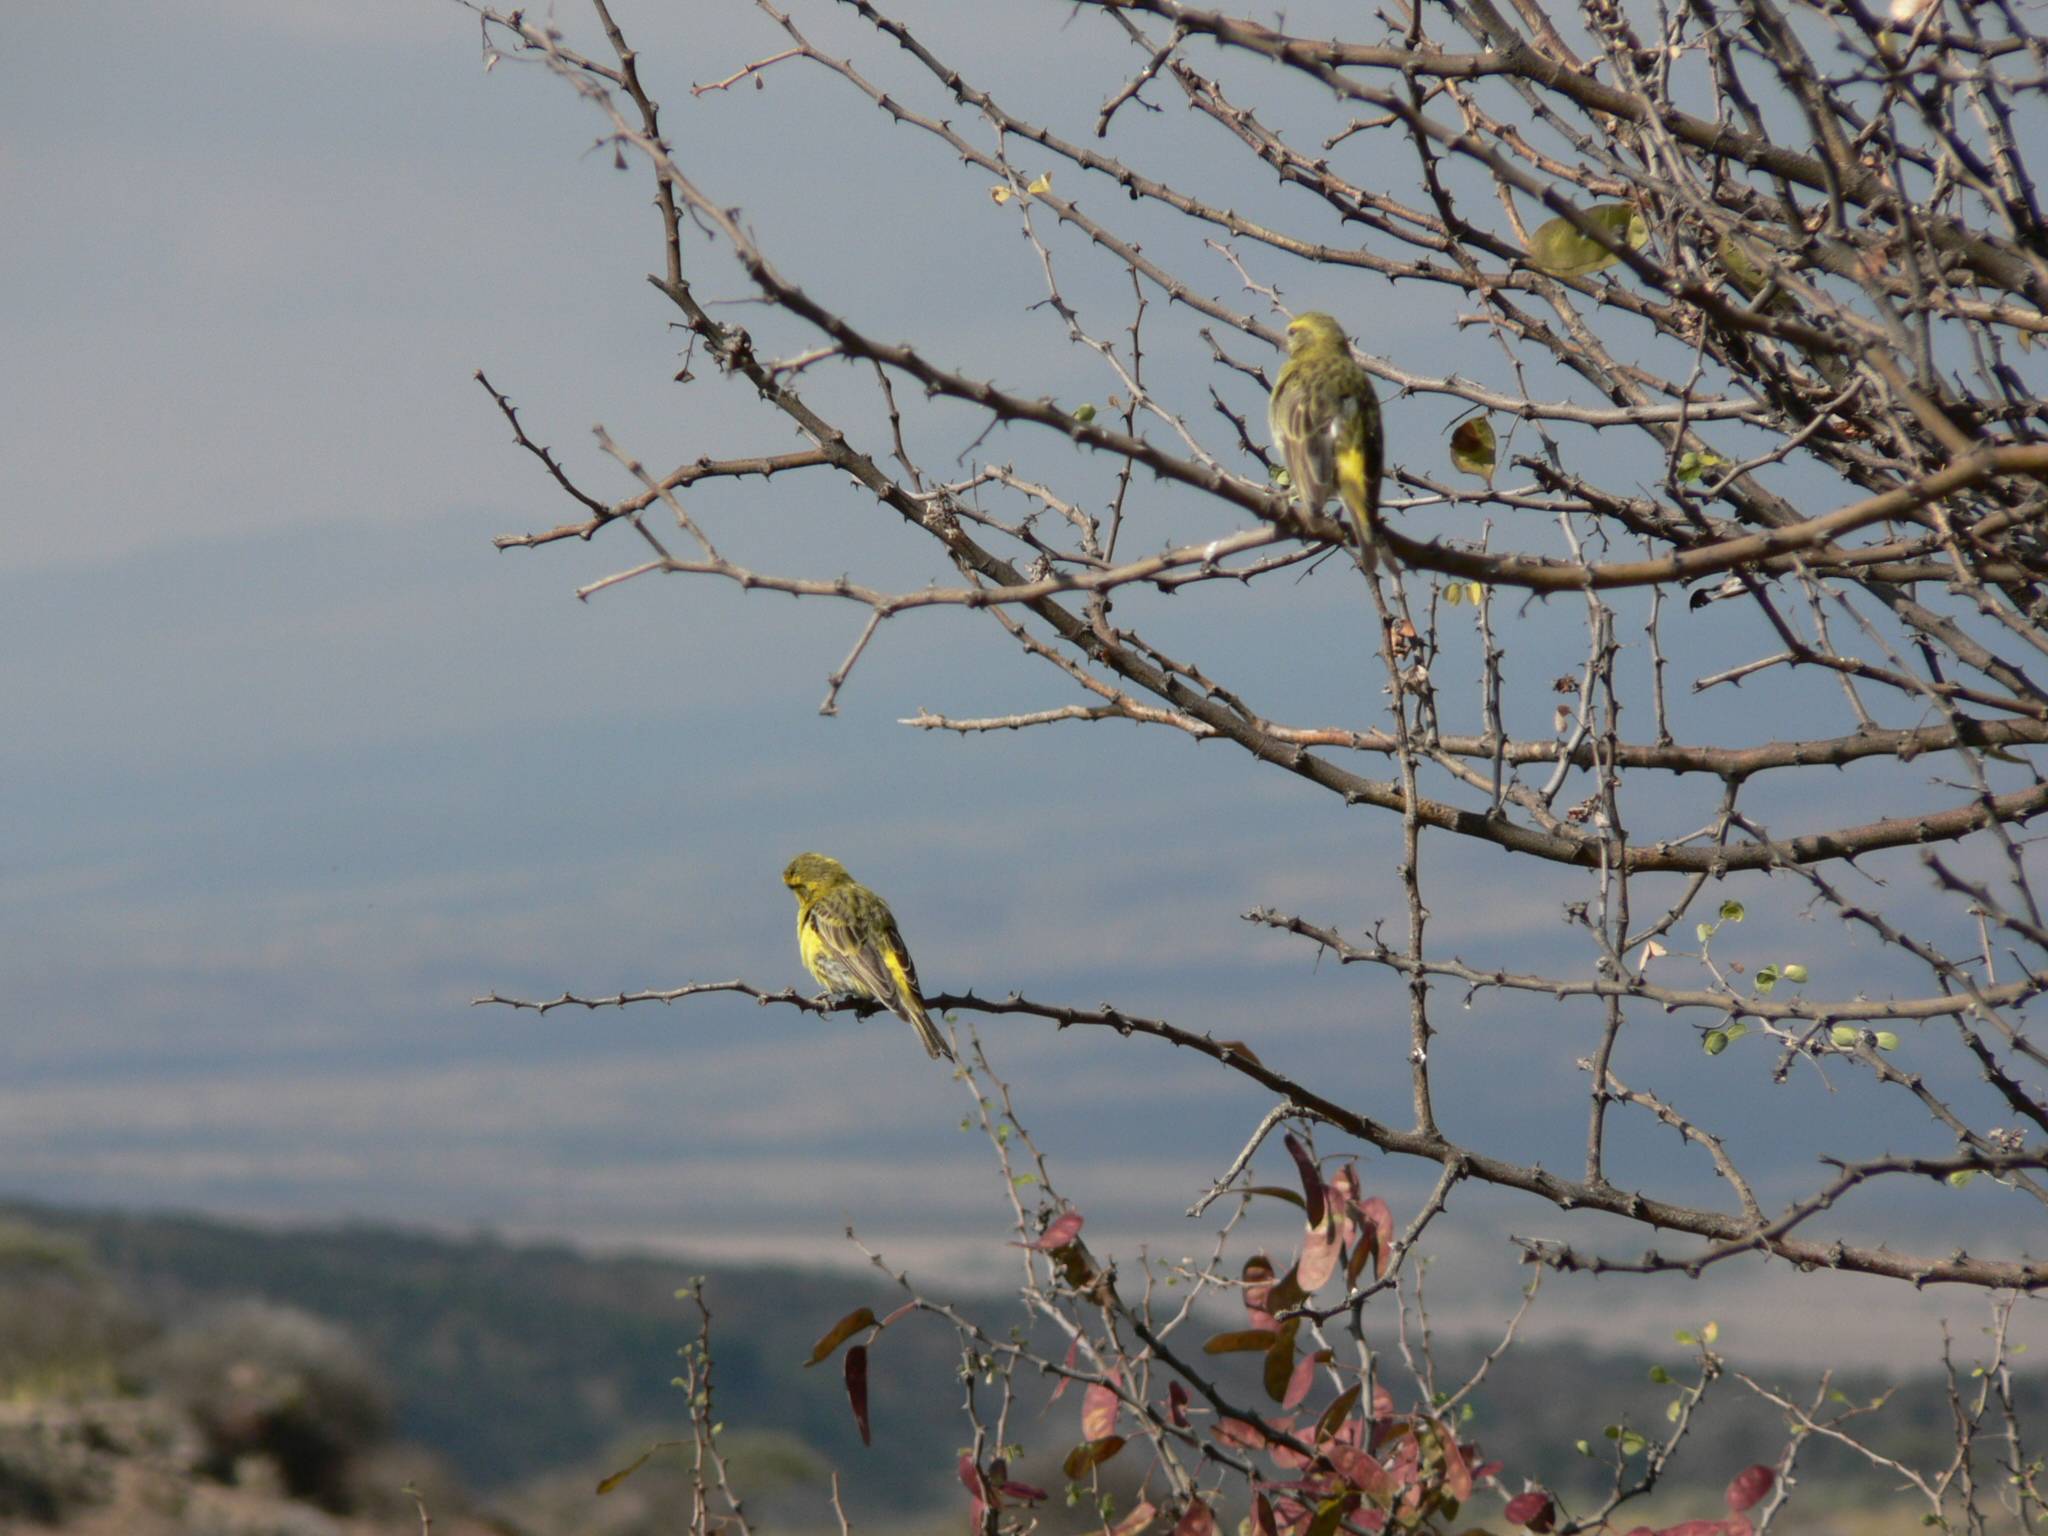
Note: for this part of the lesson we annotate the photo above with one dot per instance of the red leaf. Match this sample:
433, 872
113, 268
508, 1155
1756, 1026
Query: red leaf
840, 1332
1360, 1471
1375, 1214
1457, 1471
1093, 1454
1238, 1432
857, 1389
971, 1478
1196, 1521
1751, 1486
1177, 1405
1262, 1518
1098, 1410
1311, 1180
1299, 1382
1318, 1257
1533, 1509
1065, 1228
1073, 1353
1025, 1492
1142, 1514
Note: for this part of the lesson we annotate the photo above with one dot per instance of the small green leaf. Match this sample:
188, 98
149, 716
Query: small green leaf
1733, 911
1473, 447
1793, 971
1084, 414
1845, 1036
1704, 931
1715, 1043
1887, 1041
1685, 1336
1558, 248
1454, 594
1711, 1332
1961, 1177
1735, 1031
1673, 1409
1582, 1447
1632, 1444
1659, 1375
1766, 978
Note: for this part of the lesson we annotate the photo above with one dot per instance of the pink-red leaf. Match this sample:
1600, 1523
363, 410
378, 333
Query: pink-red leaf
1457, 1470
1098, 1410
857, 1390
1375, 1214
1177, 1405
1142, 1514
840, 1332
1258, 1288
1750, 1487
1064, 1229
1318, 1257
1533, 1509
1196, 1520
1073, 1353
1024, 1492
1262, 1517
1360, 1471
1311, 1179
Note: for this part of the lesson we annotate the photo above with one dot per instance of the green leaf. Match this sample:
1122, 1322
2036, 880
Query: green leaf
1558, 248
1685, 1336
1845, 1036
1673, 1409
1735, 1031
1711, 1332
624, 1472
1887, 1041
1961, 1177
1766, 978
1454, 594
1704, 931
1659, 1375
1472, 447
1633, 1444
1084, 414
1733, 911
1716, 1042
1793, 971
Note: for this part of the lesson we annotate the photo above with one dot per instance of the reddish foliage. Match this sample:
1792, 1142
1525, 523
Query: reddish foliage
1196, 1521
1073, 1354
1361, 1471
1064, 1229
1318, 1257
1258, 1289
1099, 1406
1533, 1509
1303, 1377
1750, 1487
1177, 1405
1142, 1514
857, 1389
1311, 1180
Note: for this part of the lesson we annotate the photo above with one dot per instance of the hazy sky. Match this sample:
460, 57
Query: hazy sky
299, 764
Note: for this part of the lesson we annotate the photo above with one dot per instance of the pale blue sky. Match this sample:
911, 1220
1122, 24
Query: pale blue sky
301, 764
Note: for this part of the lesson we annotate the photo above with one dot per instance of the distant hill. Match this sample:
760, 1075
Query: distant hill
514, 1361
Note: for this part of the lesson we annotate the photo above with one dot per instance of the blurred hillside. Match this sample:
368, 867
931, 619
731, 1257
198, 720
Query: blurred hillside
162, 1368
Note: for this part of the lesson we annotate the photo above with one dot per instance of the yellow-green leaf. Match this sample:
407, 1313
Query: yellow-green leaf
1040, 184
1558, 248
839, 1333
1472, 447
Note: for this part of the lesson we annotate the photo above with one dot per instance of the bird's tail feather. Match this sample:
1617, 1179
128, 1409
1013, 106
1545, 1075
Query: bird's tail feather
927, 1032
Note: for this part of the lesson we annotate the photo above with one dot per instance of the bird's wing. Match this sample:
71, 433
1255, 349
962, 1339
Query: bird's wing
1308, 446
858, 930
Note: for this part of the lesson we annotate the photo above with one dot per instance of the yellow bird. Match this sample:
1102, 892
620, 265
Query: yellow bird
1325, 421
848, 939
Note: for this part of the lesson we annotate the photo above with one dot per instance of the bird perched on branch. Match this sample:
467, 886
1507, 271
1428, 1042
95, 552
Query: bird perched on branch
849, 942
1325, 421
